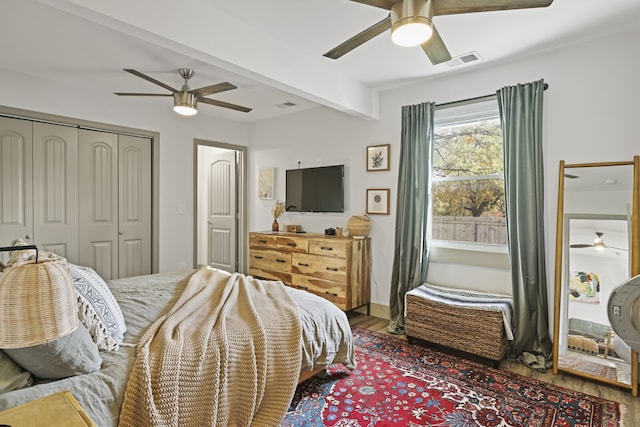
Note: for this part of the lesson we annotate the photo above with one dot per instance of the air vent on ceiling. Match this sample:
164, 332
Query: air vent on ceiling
463, 59
287, 104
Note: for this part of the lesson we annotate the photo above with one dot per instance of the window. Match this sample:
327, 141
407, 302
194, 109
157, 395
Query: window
468, 174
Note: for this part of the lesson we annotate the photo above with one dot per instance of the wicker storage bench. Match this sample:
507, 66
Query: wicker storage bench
476, 332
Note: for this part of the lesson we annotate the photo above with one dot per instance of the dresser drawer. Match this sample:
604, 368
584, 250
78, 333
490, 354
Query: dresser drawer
259, 273
261, 240
292, 243
332, 291
269, 260
329, 247
323, 267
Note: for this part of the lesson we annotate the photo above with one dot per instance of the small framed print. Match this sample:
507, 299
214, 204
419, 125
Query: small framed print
378, 157
378, 201
265, 183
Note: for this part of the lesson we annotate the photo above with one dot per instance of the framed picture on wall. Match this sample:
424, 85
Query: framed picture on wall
265, 183
378, 201
378, 157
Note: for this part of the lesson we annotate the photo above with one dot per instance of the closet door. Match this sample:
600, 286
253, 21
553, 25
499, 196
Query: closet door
98, 202
134, 220
55, 189
16, 199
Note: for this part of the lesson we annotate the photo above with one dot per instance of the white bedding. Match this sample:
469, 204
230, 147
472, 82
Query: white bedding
326, 339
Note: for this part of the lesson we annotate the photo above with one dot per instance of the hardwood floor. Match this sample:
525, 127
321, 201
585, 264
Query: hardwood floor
630, 405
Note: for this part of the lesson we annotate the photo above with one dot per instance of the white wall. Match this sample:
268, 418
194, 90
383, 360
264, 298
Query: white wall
590, 112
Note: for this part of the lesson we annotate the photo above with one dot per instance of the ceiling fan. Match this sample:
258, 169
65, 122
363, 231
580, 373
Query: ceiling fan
411, 23
598, 244
185, 100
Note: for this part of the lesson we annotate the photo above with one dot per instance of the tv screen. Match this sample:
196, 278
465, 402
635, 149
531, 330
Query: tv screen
319, 189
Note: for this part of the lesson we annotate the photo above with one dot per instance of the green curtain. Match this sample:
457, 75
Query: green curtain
411, 249
521, 116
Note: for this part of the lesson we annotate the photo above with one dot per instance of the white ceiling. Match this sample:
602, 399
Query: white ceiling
272, 50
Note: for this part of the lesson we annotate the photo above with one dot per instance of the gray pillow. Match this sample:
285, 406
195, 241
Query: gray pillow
12, 377
72, 354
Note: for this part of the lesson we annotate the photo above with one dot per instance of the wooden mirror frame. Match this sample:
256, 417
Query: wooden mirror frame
634, 257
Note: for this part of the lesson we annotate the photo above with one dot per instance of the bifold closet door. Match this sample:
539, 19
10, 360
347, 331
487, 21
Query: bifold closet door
16, 190
115, 204
98, 202
134, 219
55, 189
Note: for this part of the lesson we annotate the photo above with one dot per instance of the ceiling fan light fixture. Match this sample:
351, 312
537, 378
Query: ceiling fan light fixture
598, 242
184, 103
411, 31
411, 22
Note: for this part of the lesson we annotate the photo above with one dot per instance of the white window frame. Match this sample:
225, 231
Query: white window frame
458, 113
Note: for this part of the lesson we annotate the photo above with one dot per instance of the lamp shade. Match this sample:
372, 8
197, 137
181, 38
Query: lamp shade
37, 303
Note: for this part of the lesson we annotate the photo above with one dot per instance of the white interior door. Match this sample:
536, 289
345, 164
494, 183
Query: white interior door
222, 211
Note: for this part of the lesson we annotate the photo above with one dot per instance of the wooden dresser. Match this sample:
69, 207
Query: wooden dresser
335, 268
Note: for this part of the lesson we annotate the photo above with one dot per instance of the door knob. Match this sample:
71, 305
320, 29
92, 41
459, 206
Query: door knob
29, 236
120, 233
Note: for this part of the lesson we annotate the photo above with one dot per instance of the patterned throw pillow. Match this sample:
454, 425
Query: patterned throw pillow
98, 309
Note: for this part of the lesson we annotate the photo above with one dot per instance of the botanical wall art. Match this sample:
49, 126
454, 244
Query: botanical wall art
378, 157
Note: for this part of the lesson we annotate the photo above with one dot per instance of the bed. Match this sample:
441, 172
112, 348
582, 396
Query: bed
326, 339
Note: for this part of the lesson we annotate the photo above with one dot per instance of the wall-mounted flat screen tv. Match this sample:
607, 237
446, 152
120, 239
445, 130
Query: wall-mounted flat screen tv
319, 189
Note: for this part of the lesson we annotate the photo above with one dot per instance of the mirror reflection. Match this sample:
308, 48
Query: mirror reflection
594, 259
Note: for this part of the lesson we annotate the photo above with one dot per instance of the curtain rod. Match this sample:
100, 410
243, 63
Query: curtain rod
477, 98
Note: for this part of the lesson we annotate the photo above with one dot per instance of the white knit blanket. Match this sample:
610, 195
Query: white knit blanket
227, 354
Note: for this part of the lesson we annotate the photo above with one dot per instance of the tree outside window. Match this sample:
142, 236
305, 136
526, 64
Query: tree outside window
468, 183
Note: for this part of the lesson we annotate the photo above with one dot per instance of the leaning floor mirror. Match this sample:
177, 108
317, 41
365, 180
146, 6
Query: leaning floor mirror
597, 230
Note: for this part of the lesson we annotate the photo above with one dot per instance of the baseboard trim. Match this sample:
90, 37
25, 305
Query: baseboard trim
376, 310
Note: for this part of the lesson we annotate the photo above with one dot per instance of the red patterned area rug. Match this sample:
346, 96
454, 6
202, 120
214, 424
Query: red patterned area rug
398, 384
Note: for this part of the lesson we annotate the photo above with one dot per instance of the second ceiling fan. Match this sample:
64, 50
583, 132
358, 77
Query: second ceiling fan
598, 244
185, 100
411, 23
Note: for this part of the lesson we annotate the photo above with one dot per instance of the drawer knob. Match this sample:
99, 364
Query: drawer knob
280, 260
329, 293
262, 241
303, 264
257, 257
332, 269
326, 248
293, 245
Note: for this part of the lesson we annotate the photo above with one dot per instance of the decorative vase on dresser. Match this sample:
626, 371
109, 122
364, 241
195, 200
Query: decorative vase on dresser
335, 268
